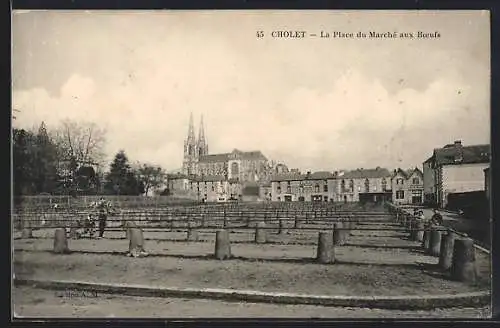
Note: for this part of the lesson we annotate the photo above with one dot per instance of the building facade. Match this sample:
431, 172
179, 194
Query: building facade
364, 185
310, 187
407, 187
458, 169
242, 166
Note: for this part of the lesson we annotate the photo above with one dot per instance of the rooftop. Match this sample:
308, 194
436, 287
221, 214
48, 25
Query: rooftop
458, 154
237, 154
378, 172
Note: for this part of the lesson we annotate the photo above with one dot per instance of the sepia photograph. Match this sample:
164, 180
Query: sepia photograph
251, 164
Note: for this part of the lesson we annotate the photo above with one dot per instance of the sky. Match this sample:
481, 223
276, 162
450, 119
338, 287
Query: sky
312, 103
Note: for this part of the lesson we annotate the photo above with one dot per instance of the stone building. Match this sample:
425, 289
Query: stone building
407, 186
315, 187
455, 169
241, 166
364, 185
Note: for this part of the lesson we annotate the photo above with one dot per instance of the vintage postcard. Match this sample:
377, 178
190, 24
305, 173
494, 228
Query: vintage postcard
292, 164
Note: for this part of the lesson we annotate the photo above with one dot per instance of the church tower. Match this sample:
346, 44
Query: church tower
189, 163
202, 146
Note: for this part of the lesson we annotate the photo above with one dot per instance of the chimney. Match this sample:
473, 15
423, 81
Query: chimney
459, 154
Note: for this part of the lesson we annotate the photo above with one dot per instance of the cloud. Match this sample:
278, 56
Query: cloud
356, 123
313, 104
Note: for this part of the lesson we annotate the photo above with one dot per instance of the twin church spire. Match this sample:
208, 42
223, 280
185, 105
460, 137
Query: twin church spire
193, 148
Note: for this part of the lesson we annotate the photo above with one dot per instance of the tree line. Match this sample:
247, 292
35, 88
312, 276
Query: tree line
70, 161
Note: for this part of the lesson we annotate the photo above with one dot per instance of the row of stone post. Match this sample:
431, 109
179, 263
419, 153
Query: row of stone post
133, 233
325, 250
456, 253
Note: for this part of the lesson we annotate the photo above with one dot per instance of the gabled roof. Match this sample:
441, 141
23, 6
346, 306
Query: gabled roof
470, 154
415, 170
406, 173
367, 173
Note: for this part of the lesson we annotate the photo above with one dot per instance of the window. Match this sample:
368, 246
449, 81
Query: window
325, 198
235, 170
400, 194
278, 189
384, 184
342, 185
367, 185
316, 188
301, 189
416, 181
213, 188
351, 185
400, 181
279, 199
325, 187
288, 189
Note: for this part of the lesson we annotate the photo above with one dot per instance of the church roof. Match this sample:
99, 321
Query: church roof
244, 155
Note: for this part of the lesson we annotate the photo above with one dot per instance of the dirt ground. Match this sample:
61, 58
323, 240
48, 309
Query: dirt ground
29, 302
372, 263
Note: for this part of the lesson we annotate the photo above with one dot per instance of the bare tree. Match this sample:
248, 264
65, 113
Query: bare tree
82, 142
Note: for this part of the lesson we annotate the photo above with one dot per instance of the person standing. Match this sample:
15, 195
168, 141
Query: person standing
437, 218
103, 209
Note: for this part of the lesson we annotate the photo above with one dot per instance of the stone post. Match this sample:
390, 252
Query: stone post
260, 233
326, 251
463, 266
282, 226
446, 251
60, 241
338, 236
192, 233
127, 225
435, 242
136, 240
420, 231
222, 245
26, 231
426, 238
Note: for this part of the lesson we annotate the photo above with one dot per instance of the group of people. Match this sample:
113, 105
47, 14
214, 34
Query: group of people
436, 219
87, 226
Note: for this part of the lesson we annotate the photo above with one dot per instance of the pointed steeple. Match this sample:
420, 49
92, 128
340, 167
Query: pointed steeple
202, 142
201, 134
191, 137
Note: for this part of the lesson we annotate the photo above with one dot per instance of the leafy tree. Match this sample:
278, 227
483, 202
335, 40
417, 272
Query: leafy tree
24, 168
151, 176
45, 152
121, 179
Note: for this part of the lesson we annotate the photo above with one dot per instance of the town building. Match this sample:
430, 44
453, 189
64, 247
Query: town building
364, 185
407, 187
309, 187
237, 165
455, 169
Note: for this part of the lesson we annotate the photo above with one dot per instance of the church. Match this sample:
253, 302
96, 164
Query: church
237, 166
